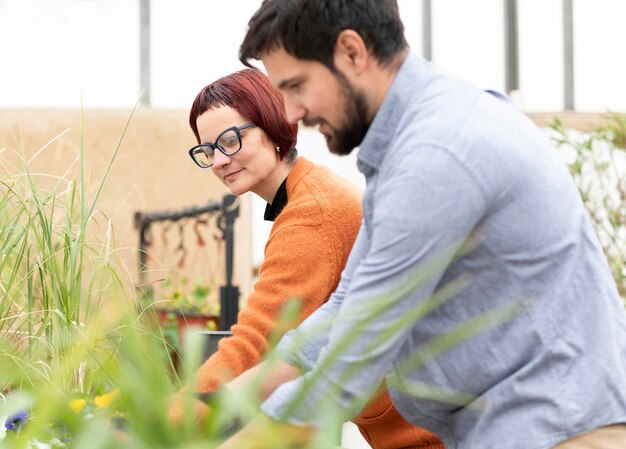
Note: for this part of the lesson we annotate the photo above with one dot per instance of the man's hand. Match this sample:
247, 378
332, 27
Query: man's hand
265, 433
176, 411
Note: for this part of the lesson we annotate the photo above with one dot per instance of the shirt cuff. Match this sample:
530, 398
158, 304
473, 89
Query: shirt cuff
308, 401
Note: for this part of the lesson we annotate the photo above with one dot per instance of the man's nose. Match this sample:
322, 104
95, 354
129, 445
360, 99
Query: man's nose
295, 110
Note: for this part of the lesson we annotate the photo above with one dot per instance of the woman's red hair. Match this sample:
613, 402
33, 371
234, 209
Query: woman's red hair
250, 93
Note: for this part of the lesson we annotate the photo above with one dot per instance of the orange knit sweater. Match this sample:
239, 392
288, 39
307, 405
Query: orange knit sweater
306, 251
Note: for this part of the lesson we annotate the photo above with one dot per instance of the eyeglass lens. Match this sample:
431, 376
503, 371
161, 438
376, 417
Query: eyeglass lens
229, 142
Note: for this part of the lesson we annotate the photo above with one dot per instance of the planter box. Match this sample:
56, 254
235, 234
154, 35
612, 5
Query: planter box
211, 340
187, 320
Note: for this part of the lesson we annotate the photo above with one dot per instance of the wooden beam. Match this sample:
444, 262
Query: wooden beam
573, 120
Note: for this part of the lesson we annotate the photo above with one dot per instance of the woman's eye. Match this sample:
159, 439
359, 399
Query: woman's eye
230, 142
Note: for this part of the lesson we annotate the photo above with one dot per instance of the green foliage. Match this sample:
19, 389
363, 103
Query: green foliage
72, 326
185, 296
55, 277
597, 162
79, 348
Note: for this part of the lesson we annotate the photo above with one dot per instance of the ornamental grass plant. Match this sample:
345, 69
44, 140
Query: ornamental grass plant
73, 329
597, 162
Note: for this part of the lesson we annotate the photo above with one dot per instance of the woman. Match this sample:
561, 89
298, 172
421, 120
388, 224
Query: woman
245, 139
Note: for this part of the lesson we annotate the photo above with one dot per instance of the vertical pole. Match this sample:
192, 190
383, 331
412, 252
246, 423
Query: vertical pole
142, 226
144, 39
511, 52
568, 55
229, 293
427, 30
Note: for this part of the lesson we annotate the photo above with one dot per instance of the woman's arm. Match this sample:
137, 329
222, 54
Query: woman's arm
299, 263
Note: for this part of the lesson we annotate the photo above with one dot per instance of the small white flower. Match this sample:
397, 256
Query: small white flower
56, 443
3, 430
36, 444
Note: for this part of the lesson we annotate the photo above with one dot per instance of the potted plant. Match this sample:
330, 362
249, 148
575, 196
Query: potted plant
187, 306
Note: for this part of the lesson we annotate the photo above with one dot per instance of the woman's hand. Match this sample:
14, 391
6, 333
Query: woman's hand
177, 413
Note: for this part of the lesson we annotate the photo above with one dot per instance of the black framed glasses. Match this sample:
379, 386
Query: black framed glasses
228, 143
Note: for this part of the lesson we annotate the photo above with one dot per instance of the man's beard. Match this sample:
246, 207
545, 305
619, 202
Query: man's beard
342, 140
355, 125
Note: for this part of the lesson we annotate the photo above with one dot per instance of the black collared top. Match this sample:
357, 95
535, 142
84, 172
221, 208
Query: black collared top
280, 201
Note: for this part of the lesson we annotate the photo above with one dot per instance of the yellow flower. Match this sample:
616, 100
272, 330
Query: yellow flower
77, 405
104, 400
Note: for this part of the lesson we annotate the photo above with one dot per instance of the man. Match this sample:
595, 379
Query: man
477, 287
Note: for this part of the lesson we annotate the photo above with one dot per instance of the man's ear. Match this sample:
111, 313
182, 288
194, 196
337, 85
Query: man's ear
351, 55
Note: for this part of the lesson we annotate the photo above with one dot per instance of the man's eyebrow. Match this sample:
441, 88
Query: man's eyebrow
285, 83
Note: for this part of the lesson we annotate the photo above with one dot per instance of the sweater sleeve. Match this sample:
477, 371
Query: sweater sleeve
301, 346
300, 262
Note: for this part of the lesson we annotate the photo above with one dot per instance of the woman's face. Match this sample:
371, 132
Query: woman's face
250, 169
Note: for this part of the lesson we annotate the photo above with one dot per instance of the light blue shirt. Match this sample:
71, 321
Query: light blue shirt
481, 237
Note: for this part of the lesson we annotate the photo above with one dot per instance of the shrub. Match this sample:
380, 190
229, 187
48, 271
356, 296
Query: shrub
597, 162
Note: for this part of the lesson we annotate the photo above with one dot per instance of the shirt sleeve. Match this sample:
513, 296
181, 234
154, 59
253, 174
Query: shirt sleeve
418, 222
297, 264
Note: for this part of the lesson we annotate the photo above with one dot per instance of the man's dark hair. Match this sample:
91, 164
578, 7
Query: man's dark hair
308, 29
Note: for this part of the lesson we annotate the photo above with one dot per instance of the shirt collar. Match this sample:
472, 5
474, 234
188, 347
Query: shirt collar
280, 201
409, 81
